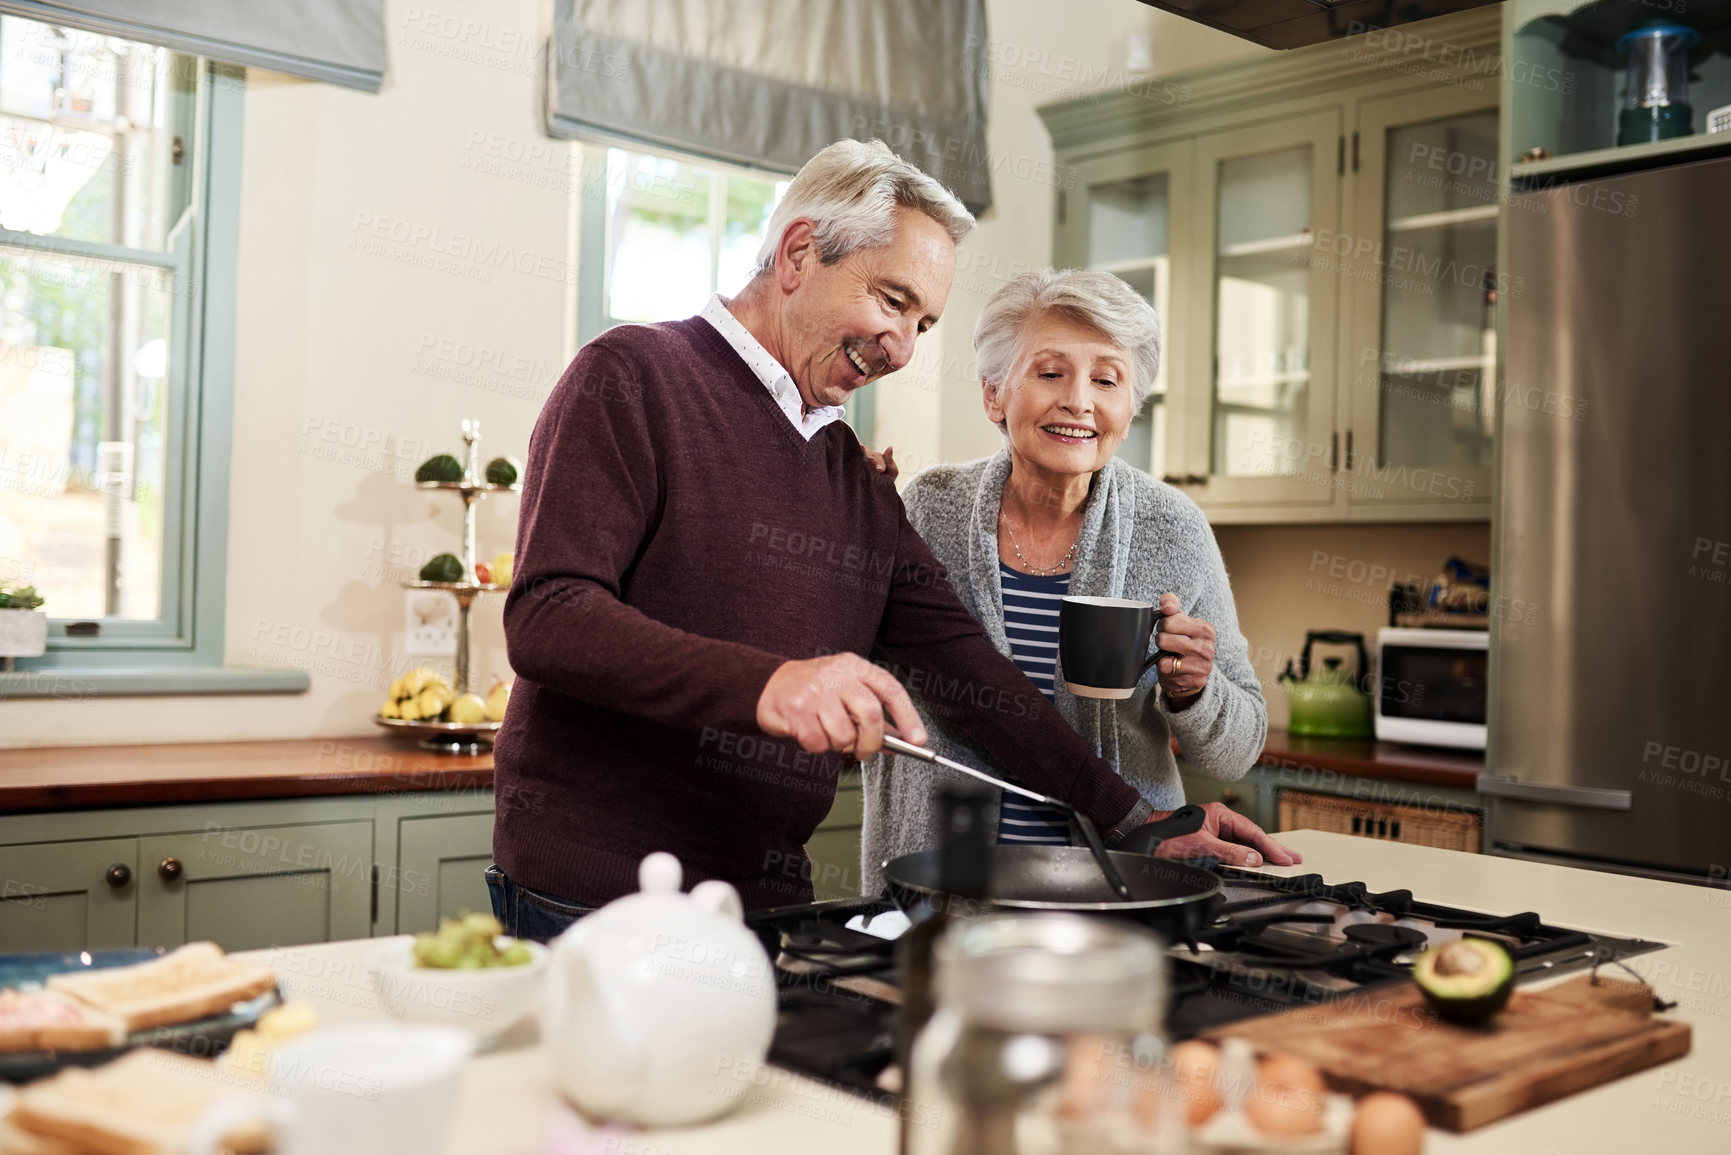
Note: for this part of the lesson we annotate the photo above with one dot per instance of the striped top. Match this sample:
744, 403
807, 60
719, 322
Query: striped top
1031, 623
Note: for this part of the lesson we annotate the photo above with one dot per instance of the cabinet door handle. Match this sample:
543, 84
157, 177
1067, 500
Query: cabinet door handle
169, 869
1231, 796
1196, 479
118, 875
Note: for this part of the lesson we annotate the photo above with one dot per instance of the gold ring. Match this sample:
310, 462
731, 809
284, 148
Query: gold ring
1177, 664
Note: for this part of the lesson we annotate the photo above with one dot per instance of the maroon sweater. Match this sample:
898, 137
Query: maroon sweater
679, 540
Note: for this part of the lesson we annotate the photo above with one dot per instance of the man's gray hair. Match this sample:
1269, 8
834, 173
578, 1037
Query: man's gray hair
1098, 300
851, 190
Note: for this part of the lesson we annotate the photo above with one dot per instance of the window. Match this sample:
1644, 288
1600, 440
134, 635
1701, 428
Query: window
674, 231
678, 231
119, 169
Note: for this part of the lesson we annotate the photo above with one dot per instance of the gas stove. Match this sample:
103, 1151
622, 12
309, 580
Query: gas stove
1272, 944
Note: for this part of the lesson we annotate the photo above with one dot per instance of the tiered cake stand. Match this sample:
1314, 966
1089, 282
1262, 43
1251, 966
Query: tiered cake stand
459, 737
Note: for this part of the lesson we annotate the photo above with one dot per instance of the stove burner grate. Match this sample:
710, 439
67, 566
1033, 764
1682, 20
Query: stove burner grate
1274, 944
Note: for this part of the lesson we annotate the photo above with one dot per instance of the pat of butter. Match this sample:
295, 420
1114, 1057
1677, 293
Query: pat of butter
287, 1021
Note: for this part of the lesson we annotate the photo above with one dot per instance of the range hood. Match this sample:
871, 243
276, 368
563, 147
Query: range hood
1295, 23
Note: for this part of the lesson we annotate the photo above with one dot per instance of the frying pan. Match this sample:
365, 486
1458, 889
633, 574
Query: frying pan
1166, 895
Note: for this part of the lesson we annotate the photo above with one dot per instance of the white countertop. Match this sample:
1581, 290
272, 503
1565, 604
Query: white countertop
507, 1101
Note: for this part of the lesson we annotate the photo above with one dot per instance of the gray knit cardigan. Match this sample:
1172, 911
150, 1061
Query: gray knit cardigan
1140, 538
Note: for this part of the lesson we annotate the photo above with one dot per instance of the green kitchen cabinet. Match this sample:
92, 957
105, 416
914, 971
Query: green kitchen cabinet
245, 887
441, 869
834, 849
68, 896
1318, 232
273, 872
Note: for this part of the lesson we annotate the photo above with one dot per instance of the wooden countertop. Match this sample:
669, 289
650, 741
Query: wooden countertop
1428, 765
60, 777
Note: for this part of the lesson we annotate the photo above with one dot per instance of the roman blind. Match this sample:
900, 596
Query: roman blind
769, 82
340, 41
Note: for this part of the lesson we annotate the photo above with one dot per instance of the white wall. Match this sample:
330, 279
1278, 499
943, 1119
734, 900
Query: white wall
357, 353
339, 337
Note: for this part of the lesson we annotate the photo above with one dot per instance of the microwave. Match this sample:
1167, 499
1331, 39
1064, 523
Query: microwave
1432, 688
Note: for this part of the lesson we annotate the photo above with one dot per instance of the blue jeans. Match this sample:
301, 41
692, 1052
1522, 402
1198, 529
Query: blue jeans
526, 913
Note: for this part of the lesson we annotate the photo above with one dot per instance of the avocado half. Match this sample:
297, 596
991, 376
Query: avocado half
441, 467
1468, 980
446, 567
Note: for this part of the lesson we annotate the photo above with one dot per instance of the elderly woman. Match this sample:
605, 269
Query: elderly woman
1066, 360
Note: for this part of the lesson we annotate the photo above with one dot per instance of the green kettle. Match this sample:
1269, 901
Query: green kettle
1328, 703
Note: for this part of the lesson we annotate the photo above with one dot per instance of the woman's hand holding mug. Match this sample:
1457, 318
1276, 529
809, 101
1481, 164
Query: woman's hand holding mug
1189, 645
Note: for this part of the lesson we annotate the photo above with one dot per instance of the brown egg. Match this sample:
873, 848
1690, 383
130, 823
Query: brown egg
1387, 1124
1194, 1068
1086, 1088
1293, 1072
1288, 1098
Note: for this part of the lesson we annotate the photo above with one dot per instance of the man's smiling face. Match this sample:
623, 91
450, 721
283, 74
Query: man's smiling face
851, 322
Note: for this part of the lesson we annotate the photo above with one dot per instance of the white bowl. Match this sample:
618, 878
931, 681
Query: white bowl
486, 1002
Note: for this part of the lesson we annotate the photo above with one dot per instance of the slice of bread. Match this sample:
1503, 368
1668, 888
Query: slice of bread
144, 1103
15, 1140
193, 982
50, 1021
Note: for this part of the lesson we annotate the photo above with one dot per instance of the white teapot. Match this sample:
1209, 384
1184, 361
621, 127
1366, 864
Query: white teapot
660, 1005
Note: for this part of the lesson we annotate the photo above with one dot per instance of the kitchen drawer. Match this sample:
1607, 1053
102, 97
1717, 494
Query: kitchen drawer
250, 887
69, 896
1440, 826
441, 869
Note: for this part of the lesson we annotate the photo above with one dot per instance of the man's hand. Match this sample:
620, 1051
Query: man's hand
1228, 836
836, 704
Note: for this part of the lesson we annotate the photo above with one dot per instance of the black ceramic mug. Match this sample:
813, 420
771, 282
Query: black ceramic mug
1103, 643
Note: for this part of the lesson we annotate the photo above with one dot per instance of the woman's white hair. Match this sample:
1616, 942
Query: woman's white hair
850, 190
1098, 300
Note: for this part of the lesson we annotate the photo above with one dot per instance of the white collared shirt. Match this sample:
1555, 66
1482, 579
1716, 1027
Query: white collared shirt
776, 379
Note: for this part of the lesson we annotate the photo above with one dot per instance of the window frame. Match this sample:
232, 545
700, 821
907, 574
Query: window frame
593, 275
183, 650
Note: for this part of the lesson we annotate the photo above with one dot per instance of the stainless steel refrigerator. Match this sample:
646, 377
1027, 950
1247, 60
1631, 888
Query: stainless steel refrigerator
1610, 721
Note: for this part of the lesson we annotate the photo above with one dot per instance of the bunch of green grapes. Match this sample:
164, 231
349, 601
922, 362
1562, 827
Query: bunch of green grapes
467, 943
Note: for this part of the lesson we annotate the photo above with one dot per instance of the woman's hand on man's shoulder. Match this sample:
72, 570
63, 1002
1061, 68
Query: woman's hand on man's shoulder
884, 462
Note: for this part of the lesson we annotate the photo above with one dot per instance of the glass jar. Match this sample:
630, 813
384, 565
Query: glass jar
1656, 83
1046, 1040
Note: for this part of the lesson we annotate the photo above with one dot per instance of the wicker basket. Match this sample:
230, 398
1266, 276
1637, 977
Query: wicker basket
1415, 825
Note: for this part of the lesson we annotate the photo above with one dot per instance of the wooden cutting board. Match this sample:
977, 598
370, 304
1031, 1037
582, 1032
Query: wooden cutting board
1541, 1047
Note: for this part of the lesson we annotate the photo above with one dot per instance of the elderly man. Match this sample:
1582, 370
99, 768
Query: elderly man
704, 557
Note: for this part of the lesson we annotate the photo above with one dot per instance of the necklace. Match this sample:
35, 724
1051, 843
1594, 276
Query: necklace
1028, 566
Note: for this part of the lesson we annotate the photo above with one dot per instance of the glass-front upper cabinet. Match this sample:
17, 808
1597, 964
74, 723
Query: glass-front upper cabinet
1423, 309
1263, 431
1122, 219
1319, 233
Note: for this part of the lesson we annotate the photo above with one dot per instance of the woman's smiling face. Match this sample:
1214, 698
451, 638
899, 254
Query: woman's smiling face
1067, 400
